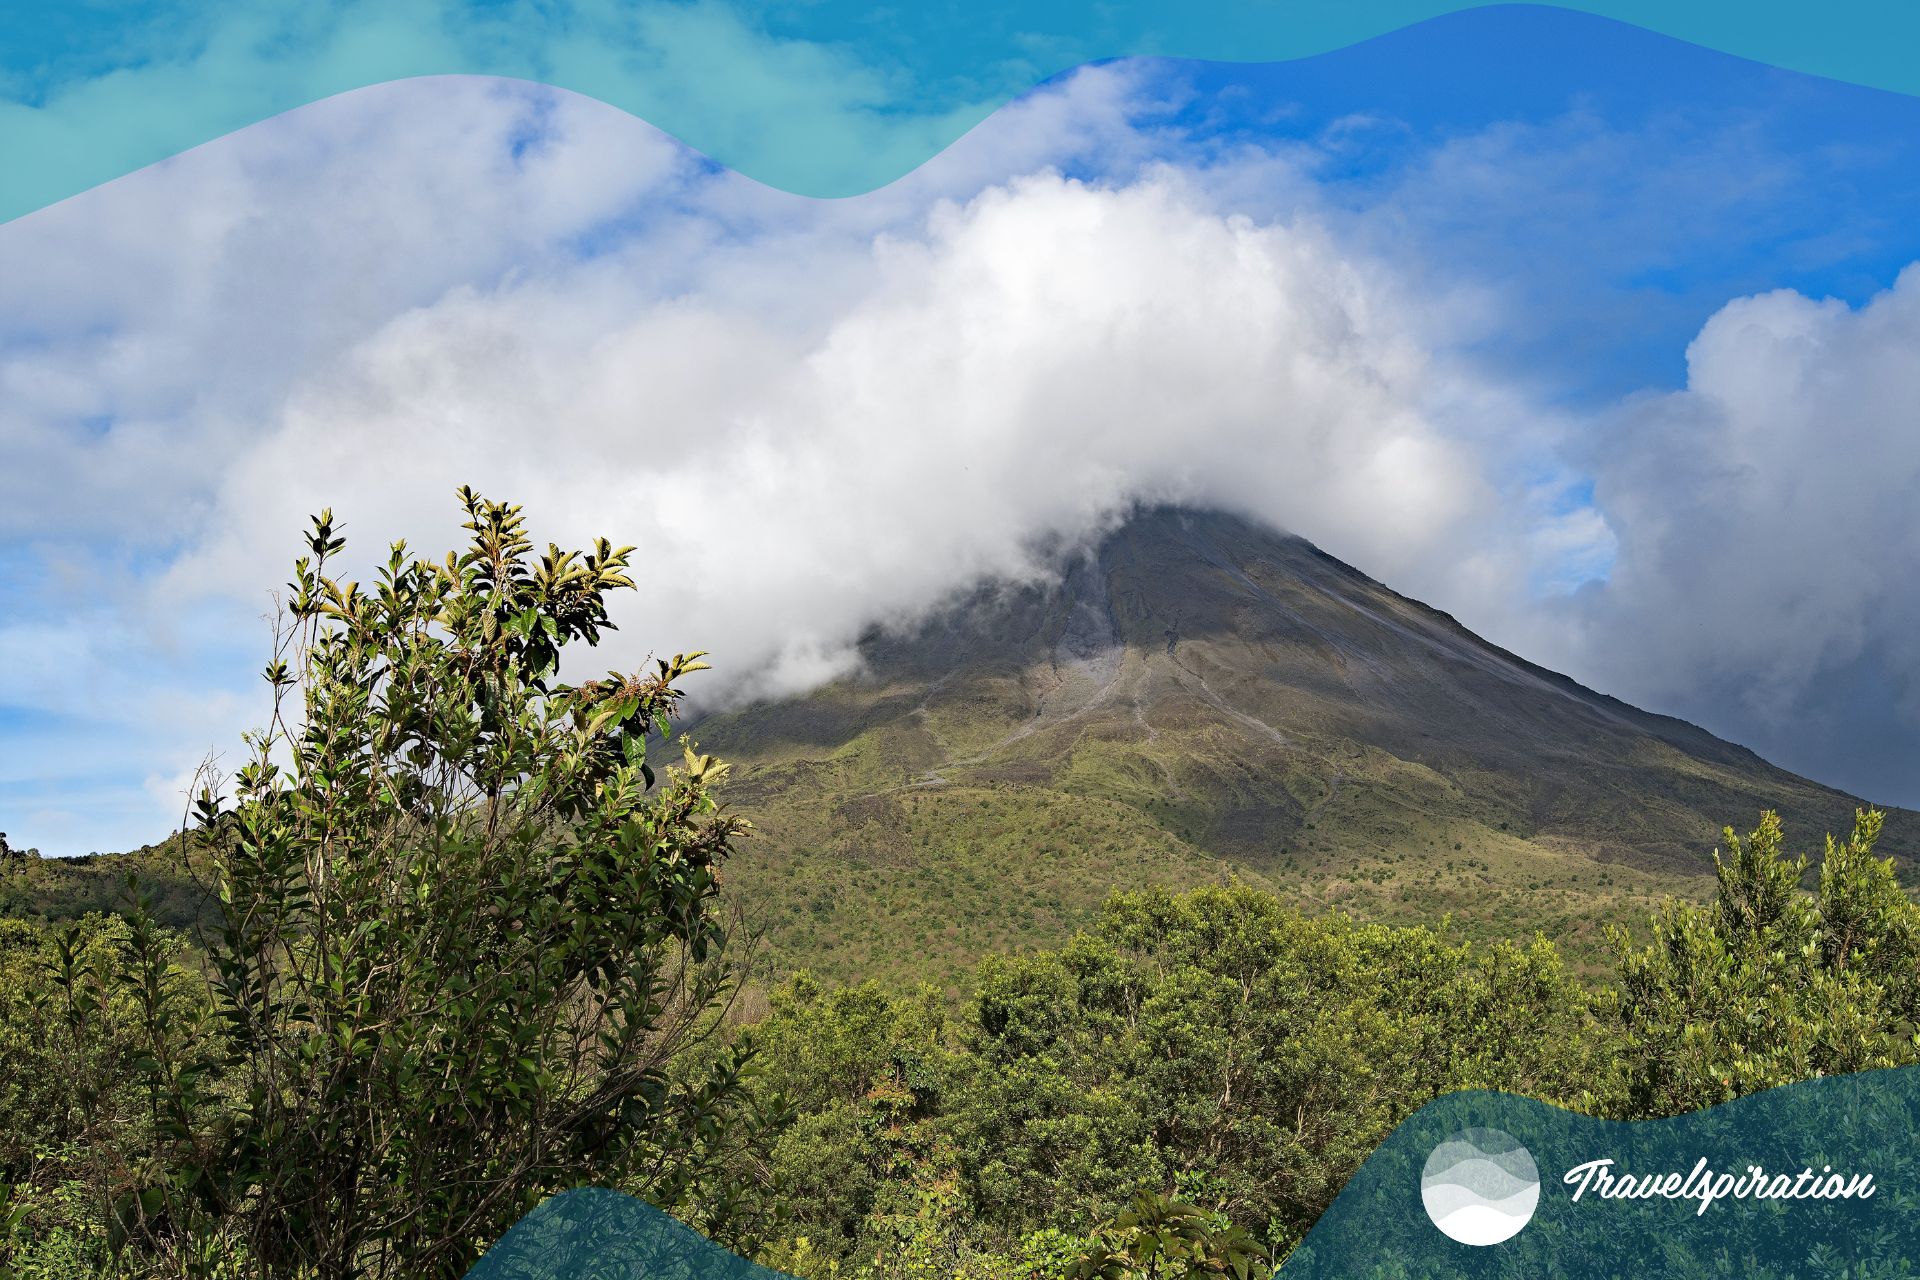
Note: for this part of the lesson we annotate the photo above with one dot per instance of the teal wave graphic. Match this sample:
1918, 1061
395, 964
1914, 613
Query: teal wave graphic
1753, 1188
594, 1234
1626, 1198
826, 98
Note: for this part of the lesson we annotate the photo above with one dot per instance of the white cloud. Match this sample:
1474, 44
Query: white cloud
1768, 535
151, 326
1020, 365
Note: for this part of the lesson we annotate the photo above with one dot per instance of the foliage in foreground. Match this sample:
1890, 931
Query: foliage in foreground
1179, 1092
1767, 984
1214, 1047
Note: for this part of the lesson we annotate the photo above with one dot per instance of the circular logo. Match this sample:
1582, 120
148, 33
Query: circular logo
1480, 1186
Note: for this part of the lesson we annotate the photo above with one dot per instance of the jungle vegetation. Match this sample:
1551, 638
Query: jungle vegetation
466, 945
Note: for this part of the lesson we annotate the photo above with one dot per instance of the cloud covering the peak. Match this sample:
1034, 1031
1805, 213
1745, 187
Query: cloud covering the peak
1014, 368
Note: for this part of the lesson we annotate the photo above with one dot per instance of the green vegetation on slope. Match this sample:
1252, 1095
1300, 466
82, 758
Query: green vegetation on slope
1224, 1049
56, 889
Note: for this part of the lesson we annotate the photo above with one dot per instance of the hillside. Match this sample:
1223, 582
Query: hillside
56, 889
1199, 699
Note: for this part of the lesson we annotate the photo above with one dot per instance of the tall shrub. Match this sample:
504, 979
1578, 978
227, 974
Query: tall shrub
465, 925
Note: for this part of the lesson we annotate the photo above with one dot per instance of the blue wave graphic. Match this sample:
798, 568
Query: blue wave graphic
822, 99
595, 1234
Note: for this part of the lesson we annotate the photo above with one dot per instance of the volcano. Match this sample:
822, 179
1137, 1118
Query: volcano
1196, 699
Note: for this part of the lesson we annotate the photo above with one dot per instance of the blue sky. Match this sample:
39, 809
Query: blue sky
1597, 340
1686, 177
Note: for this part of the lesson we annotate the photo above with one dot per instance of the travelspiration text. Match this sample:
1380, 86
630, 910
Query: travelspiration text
1706, 1186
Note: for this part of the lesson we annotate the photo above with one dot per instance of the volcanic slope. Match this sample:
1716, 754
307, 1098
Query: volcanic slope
1199, 699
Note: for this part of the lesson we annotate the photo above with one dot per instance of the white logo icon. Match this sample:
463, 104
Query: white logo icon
1480, 1186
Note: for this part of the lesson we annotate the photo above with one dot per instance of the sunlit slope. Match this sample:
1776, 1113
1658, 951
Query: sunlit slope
1202, 698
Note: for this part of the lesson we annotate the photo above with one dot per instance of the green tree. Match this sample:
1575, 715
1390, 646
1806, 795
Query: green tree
865, 1073
1219, 1047
465, 928
1768, 984
1159, 1238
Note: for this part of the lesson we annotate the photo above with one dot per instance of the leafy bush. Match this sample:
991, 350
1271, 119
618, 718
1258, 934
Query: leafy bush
1768, 984
1216, 1049
465, 930
1158, 1238
1220, 1040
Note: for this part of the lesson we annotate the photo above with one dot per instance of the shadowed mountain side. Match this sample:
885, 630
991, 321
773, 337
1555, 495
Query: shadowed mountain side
1200, 697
